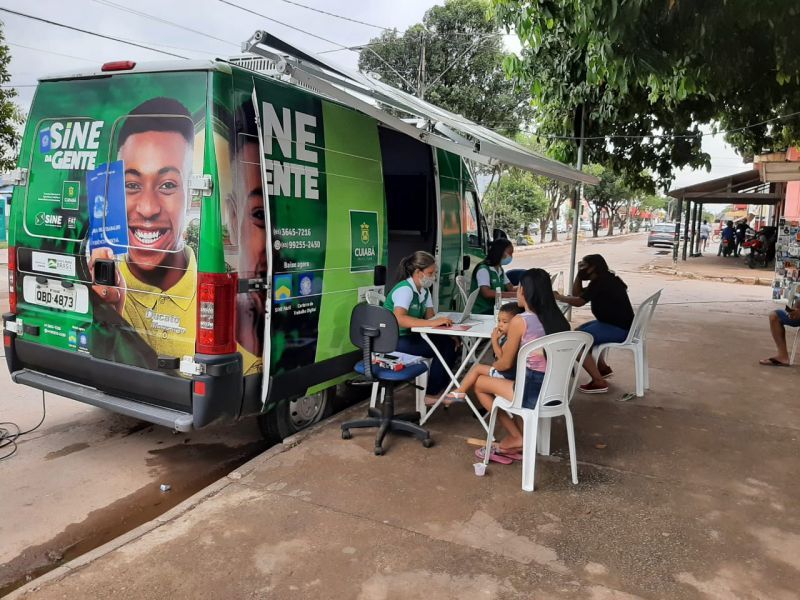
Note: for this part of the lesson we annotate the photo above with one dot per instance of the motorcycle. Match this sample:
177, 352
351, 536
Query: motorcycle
762, 247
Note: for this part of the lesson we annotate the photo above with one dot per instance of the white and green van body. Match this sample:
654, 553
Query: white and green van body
187, 240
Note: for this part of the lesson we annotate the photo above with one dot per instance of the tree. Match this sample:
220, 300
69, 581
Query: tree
514, 201
607, 197
454, 60
646, 74
648, 204
11, 116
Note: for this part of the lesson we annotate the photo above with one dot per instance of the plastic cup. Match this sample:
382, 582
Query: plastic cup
480, 469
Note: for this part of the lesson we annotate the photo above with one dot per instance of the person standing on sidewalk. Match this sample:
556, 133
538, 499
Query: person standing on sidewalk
705, 233
611, 307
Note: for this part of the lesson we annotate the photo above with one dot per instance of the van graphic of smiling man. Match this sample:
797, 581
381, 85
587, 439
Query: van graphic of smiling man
158, 275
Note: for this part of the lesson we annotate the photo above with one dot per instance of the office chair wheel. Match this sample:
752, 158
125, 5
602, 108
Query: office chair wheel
427, 442
346, 435
378, 451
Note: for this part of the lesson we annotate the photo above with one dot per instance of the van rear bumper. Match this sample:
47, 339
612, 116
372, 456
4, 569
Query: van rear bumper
179, 421
162, 397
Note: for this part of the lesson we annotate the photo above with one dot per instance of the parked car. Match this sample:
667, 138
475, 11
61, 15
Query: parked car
661, 234
586, 226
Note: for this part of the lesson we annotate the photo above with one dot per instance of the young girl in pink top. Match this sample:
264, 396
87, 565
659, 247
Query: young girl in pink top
541, 317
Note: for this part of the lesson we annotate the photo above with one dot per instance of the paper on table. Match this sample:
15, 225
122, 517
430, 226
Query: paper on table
455, 327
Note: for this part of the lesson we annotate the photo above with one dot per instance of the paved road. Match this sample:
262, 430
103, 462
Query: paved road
87, 475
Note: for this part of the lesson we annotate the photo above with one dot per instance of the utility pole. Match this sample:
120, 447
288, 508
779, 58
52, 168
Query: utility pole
576, 208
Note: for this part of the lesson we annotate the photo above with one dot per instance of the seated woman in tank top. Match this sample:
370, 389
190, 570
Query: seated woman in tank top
541, 316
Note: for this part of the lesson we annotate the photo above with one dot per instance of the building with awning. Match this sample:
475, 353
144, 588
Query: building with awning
746, 189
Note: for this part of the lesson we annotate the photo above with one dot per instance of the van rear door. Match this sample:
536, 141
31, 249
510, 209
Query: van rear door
106, 259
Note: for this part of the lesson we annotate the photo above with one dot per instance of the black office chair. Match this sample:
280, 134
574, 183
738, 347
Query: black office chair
374, 329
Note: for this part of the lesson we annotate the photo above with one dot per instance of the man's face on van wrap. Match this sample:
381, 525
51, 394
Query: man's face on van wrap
252, 241
252, 224
157, 168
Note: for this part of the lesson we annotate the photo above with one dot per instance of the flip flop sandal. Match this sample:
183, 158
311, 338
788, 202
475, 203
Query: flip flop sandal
516, 456
493, 457
454, 398
773, 362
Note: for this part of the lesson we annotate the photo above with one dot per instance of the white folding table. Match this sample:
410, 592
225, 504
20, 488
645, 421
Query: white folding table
479, 333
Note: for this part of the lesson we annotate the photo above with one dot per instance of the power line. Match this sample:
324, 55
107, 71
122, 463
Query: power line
160, 20
699, 134
50, 52
330, 14
314, 35
100, 35
21, 85
258, 14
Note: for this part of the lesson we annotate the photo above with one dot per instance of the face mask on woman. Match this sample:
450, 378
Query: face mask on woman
427, 281
506, 260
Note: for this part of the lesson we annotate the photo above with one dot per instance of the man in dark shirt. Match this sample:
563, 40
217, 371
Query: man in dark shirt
728, 242
611, 307
741, 233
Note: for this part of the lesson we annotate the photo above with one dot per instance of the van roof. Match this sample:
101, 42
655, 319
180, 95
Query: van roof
145, 67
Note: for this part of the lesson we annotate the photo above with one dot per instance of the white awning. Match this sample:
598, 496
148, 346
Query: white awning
435, 126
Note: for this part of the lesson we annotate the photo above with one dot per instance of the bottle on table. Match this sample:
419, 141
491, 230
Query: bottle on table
498, 302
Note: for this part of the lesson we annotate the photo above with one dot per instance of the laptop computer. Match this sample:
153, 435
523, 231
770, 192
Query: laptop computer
463, 317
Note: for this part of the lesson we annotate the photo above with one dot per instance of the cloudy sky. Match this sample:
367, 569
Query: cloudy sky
211, 28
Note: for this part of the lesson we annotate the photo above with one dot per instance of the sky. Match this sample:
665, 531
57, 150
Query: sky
40, 49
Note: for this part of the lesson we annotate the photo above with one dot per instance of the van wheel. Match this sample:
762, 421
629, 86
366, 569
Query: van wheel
290, 416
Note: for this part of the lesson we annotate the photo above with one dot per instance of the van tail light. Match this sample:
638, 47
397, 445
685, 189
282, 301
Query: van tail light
118, 65
12, 279
216, 313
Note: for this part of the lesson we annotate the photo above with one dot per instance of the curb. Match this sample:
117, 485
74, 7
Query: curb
568, 242
691, 275
180, 509
176, 511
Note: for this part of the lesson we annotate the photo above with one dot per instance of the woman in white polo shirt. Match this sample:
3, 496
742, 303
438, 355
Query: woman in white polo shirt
411, 302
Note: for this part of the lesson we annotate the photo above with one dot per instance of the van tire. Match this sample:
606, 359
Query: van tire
287, 417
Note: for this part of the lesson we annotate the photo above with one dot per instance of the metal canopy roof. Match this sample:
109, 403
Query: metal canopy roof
740, 188
434, 125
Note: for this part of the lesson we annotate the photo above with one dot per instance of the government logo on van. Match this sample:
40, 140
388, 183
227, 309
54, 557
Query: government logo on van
70, 144
363, 240
44, 219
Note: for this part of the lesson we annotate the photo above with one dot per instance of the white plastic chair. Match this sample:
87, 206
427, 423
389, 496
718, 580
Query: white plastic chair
565, 353
461, 284
636, 342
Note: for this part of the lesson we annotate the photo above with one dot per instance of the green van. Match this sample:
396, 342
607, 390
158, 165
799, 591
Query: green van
188, 239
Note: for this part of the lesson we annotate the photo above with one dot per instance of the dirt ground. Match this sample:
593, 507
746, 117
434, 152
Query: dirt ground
689, 492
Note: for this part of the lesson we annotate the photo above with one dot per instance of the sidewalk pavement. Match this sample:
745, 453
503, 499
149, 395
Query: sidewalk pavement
567, 241
689, 492
711, 267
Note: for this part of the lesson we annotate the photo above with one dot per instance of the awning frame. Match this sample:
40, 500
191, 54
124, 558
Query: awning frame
442, 129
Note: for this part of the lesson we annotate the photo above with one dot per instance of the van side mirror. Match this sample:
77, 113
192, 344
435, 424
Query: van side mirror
465, 262
499, 234
379, 275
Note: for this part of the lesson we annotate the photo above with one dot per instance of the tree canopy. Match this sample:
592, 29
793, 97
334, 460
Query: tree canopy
639, 68
454, 60
515, 201
10, 115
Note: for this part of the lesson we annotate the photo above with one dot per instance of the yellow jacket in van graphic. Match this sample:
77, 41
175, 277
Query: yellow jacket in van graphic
166, 319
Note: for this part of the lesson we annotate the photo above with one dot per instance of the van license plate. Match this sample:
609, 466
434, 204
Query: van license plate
54, 295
